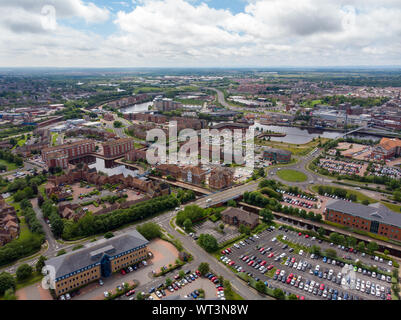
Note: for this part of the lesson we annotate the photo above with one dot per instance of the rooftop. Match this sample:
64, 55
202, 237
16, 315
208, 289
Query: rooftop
93, 254
373, 212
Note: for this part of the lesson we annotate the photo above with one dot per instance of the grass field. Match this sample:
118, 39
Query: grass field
10, 166
296, 149
291, 175
359, 195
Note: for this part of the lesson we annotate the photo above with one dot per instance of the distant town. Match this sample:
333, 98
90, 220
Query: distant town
85, 216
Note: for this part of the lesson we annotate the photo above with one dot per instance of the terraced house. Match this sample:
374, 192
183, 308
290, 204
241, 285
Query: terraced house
101, 259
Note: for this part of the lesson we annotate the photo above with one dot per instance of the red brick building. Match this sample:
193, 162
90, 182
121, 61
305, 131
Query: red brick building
236, 217
374, 218
61, 155
221, 178
118, 147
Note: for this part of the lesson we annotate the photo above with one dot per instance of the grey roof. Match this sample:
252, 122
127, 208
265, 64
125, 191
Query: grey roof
94, 252
374, 212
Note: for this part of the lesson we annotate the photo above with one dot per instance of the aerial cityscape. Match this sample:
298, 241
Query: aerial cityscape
135, 164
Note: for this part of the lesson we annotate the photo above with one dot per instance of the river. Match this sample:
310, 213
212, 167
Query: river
140, 107
302, 136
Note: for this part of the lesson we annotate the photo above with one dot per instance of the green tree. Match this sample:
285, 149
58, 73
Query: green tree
361, 246
10, 294
397, 195
7, 281
181, 274
108, 235
208, 242
40, 264
231, 203
168, 282
139, 296
331, 253
187, 224
204, 268
24, 271
321, 232
244, 229
279, 294
260, 286
150, 230
372, 247
221, 226
267, 215
316, 250
292, 297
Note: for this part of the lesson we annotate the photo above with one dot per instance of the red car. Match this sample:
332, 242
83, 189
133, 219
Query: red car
278, 271
229, 250
288, 280
270, 267
123, 272
302, 298
291, 276
231, 263
307, 236
245, 258
220, 289
130, 293
300, 234
176, 277
263, 263
214, 278
223, 252
261, 249
322, 286
270, 255
198, 272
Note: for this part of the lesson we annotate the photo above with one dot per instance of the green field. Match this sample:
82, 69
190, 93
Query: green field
291, 175
10, 166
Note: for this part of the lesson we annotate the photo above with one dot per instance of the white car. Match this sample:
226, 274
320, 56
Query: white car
159, 295
106, 294
295, 265
301, 252
390, 263
317, 268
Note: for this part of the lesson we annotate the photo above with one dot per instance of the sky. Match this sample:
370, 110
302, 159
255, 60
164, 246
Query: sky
199, 33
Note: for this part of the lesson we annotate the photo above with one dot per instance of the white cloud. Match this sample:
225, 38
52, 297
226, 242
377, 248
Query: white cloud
191, 33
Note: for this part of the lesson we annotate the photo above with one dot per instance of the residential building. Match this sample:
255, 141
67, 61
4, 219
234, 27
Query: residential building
165, 104
101, 259
221, 178
72, 151
115, 148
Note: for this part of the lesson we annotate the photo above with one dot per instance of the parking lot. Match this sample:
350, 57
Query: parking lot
209, 227
304, 275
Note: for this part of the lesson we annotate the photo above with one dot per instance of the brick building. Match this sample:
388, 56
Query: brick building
9, 224
101, 259
277, 155
221, 178
108, 117
236, 217
386, 149
114, 148
375, 218
67, 152
136, 155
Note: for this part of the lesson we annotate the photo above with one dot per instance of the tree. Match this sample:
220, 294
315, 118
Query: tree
187, 224
231, 203
244, 229
316, 250
208, 242
361, 246
40, 264
221, 226
365, 202
168, 282
279, 294
24, 271
181, 274
150, 230
331, 253
204, 268
397, 195
10, 295
7, 281
372, 247
267, 215
292, 297
321, 232
139, 296
260, 286
108, 235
